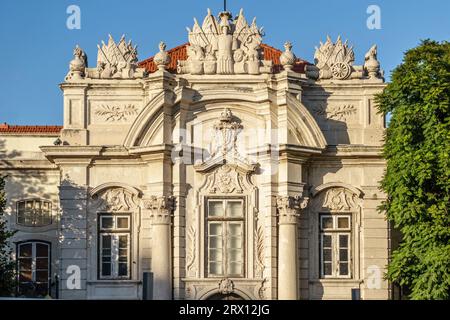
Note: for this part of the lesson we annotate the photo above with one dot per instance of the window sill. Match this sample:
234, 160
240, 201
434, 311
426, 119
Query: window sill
114, 281
336, 280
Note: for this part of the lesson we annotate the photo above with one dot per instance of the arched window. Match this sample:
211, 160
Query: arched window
34, 213
33, 268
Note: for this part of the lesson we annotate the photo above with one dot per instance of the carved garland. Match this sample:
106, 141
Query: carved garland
336, 112
116, 113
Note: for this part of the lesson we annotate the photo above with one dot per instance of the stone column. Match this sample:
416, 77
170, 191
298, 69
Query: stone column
288, 212
161, 209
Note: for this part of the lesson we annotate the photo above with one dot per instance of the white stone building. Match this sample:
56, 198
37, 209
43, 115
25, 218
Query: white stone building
227, 168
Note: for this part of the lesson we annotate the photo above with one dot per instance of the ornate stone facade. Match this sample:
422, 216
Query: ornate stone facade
228, 142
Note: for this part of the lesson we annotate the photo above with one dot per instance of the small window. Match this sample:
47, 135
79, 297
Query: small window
114, 246
335, 235
34, 213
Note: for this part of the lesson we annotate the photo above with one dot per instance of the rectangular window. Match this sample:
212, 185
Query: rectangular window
335, 253
34, 213
33, 263
225, 244
114, 246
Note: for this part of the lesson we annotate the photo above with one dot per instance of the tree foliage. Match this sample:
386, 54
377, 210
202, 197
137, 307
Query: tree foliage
417, 178
7, 266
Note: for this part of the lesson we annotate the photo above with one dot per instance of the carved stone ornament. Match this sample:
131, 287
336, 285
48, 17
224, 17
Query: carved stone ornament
116, 61
114, 200
224, 46
287, 58
116, 113
162, 58
340, 199
339, 113
161, 208
371, 64
259, 251
226, 286
78, 65
289, 208
334, 61
223, 149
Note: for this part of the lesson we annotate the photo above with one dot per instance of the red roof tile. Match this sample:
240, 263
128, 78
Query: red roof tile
180, 53
6, 128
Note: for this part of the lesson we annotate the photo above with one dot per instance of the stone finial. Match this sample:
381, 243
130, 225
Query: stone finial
287, 58
371, 64
289, 208
78, 65
161, 208
162, 58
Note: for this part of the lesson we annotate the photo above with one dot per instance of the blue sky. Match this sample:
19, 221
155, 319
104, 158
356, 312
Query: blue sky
37, 46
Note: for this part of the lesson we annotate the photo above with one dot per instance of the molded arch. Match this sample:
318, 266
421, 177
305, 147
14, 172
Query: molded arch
244, 295
110, 185
326, 186
312, 135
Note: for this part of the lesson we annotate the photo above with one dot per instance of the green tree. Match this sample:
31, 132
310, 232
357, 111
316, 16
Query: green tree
417, 178
7, 266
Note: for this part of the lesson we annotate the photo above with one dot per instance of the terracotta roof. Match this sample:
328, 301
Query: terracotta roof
6, 128
180, 53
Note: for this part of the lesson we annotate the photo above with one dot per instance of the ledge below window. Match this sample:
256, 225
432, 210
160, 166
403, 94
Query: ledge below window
113, 281
337, 281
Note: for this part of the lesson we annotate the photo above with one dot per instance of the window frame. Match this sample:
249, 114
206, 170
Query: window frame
225, 221
34, 213
34, 257
114, 234
335, 232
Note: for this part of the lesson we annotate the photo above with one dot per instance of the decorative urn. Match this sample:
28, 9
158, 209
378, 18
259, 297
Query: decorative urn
287, 58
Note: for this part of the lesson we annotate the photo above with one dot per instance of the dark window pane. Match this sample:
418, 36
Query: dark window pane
122, 222
343, 241
25, 250
106, 269
343, 255
41, 250
106, 259
327, 269
106, 242
25, 263
343, 269
123, 241
25, 276
42, 276
326, 241
123, 269
123, 252
42, 263
107, 222
326, 254
327, 222
343, 223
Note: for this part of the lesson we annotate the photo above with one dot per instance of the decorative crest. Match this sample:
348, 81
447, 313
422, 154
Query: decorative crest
116, 61
224, 46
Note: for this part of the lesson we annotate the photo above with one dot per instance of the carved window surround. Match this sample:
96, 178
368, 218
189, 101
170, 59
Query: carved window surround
115, 198
332, 199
